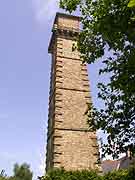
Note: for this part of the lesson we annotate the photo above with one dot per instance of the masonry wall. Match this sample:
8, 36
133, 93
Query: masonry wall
70, 143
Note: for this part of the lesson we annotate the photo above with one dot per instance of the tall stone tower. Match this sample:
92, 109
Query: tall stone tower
70, 144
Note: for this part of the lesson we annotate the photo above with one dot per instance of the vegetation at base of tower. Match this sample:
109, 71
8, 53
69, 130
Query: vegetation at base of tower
61, 174
20, 172
108, 36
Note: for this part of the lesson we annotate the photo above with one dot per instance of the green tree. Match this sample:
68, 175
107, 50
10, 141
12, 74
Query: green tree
3, 176
108, 33
131, 3
22, 172
58, 174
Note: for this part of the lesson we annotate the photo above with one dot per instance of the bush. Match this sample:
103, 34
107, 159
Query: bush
61, 174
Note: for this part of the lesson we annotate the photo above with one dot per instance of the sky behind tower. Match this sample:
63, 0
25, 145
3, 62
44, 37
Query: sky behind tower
24, 75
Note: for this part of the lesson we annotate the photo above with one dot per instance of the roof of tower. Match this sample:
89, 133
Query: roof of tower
58, 14
69, 16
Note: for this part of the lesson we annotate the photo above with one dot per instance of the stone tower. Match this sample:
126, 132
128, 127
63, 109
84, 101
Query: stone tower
69, 142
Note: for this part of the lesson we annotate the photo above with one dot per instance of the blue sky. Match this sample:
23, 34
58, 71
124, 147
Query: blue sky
24, 81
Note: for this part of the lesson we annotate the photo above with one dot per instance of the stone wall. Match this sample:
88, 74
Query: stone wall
70, 143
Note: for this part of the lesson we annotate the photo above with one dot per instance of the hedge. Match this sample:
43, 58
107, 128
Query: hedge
61, 174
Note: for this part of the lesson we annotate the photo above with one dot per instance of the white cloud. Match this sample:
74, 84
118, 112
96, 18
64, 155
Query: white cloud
45, 9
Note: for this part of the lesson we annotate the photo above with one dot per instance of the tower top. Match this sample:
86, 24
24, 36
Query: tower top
64, 24
67, 16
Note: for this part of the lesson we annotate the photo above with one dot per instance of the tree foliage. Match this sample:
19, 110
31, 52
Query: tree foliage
108, 32
3, 176
131, 3
61, 174
20, 172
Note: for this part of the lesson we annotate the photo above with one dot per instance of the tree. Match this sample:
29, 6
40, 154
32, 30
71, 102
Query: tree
109, 26
22, 172
131, 3
60, 174
3, 176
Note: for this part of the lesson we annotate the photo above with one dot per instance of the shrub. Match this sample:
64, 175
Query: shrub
61, 174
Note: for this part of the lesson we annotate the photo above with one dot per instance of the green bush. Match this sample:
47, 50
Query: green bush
61, 174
